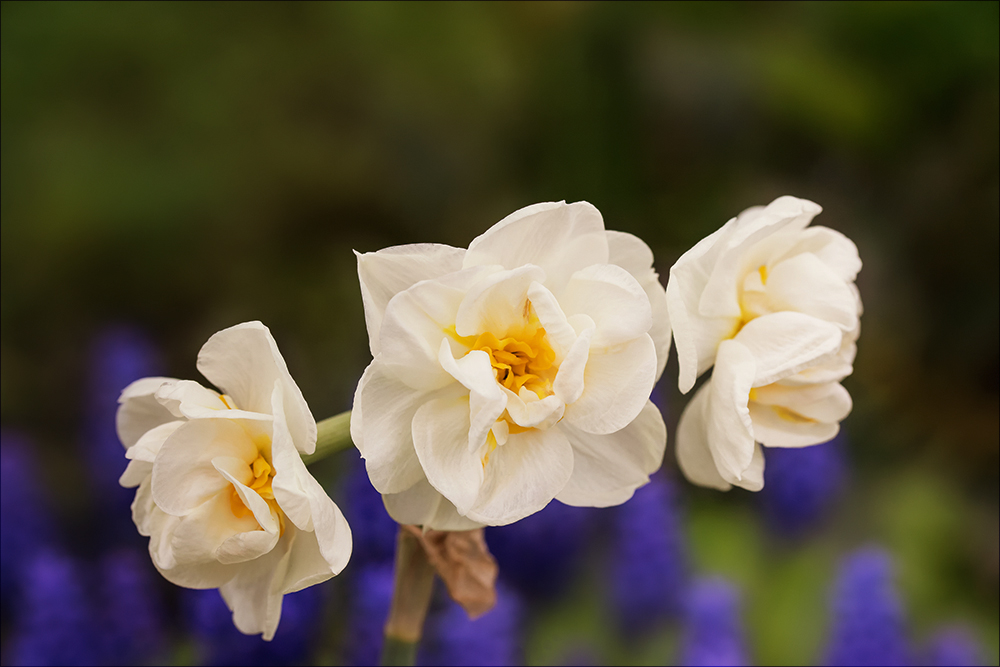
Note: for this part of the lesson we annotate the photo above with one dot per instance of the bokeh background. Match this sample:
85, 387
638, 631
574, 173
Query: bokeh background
169, 170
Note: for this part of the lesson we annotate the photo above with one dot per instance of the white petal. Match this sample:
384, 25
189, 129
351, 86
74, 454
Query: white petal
487, 399
805, 284
632, 254
835, 250
417, 320
730, 431
561, 238
189, 400
497, 303
753, 476
694, 457
254, 594
233, 470
303, 499
306, 563
784, 343
385, 436
183, 474
776, 429
569, 382
697, 338
828, 402
523, 476
199, 535
244, 362
558, 330
139, 411
386, 273
423, 505
607, 469
142, 454
616, 385
528, 411
441, 440
610, 296
785, 214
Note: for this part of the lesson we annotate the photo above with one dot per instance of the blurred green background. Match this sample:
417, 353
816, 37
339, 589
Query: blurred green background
185, 167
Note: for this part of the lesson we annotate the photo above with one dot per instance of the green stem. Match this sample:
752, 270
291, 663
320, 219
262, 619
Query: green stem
411, 595
333, 434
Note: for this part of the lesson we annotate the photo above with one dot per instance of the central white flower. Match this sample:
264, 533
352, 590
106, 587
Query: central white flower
512, 373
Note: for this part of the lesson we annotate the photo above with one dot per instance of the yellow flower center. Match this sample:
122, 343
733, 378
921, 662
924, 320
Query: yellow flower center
261, 475
523, 358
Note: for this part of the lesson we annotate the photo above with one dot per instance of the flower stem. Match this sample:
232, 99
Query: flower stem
411, 595
333, 434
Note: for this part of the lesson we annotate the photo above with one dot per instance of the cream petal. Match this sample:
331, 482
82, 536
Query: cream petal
569, 382
616, 385
234, 470
694, 457
199, 534
559, 237
777, 429
244, 362
558, 330
384, 437
833, 248
610, 296
304, 501
189, 400
417, 320
386, 273
254, 593
306, 564
142, 454
785, 214
827, 402
753, 476
441, 440
607, 469
423, 505
135, 473
805, 284
730, 431
139, 411
523, 476
785, 343
487, 399
528, 411
497, 303
183, 474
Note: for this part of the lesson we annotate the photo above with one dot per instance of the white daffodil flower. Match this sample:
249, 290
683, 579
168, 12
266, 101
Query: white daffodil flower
511, 373
223, 493
772, 304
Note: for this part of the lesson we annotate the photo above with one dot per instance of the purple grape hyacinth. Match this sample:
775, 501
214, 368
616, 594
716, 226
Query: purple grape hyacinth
371, 595
802, 484
713, 630
451, 638
868, 624
648, 560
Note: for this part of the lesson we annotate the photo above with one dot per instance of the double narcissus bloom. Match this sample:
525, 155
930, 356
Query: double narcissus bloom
223, 493
511, 373
772, 304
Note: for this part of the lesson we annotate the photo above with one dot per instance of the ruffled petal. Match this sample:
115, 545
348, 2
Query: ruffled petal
827, 402
774, 428
423, 505
559, 237
417, 320
523, 476
616, 385
183, 475
254, 593
381, 427
805, 284
487, 400
244, 362
189, 400
441, 440
694, 456
497, 303
386, 273
607, 469
142, 454
730, 430
139, 411
611, 297
785, 343
833, 248
632, 254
